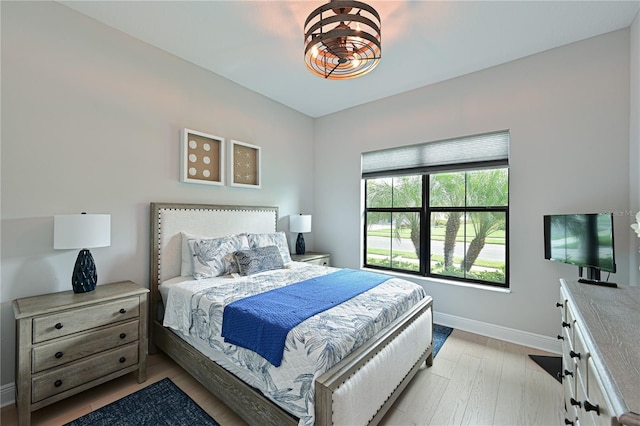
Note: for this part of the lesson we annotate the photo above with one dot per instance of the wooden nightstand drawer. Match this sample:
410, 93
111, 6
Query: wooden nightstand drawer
78, 373
322, 261
63, 351
73, 321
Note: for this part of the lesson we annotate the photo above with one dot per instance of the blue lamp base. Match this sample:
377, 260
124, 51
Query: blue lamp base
84, 276
300, 248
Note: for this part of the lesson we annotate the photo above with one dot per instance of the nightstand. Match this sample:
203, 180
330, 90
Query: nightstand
68, 342
323, 259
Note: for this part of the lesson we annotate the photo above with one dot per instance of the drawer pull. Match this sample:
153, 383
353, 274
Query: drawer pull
573, 354
566, 324
123, 310
590, 407
57, 383
568, 373
122, 359
574, 402
560, 337
58, 355
568, 422
123, 335
559, 305
58, 326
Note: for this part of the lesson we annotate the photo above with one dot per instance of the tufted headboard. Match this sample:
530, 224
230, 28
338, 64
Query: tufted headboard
168, 220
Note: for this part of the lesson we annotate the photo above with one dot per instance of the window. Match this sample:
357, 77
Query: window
440, 220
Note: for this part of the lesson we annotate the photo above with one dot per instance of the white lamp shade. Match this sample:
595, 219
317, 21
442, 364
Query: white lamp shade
300, 223
80, 231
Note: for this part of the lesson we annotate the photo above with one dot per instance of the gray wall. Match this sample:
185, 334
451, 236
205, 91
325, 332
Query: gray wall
91, 121
568, 113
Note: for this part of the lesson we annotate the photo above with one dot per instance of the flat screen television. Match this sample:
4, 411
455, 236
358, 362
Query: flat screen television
583, 240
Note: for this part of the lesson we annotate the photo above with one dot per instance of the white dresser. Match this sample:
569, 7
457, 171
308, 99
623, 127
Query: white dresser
600, 354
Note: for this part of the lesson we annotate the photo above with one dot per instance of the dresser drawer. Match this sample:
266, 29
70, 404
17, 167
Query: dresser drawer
60, 324
581, 396
581, 352
569, 373
601, 416
564, 304
65, 350
81, 372
567, 339
568, 384
570, 325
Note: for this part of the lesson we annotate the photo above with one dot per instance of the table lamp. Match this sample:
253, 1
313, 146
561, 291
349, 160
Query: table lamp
82, 231
300, 223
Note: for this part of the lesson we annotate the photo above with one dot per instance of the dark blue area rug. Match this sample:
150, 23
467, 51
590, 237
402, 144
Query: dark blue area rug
440, 334
161, 403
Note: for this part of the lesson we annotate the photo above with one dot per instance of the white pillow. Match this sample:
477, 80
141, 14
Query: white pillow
186, 268
210, 255
278, 239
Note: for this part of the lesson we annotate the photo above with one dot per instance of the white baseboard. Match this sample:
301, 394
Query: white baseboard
7, 394
519, 337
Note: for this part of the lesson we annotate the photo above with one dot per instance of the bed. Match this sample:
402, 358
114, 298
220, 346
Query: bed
359, 388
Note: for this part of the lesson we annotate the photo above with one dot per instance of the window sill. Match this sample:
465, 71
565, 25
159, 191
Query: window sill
419, 280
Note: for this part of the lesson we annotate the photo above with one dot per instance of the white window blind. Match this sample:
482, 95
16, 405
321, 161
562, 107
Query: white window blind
465, 152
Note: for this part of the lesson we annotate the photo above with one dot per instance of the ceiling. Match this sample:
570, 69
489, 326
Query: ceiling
259, 44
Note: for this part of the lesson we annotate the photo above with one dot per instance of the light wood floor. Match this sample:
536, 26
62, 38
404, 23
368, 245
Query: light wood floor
474, 380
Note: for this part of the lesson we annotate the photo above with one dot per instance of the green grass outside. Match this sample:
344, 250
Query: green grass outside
494, 264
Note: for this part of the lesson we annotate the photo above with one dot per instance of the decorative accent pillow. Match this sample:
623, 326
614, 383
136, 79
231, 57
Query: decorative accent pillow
278, 239
258, 260
210, 255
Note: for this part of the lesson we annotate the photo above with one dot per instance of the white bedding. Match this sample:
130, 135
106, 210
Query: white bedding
194, 309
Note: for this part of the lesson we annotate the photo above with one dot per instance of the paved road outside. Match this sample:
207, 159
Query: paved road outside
489, 251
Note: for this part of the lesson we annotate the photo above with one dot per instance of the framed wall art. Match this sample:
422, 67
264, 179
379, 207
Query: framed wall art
245, 169
202, 159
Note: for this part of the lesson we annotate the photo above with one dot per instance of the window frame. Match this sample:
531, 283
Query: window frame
425, 211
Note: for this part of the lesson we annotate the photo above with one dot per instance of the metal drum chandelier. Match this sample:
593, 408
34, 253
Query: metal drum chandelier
342, 40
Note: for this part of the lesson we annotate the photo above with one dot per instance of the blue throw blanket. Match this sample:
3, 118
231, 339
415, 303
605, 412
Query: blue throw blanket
261, 322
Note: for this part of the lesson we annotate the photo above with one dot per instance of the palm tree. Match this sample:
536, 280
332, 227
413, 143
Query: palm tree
447, 190
484, 223
402, 191
485, 188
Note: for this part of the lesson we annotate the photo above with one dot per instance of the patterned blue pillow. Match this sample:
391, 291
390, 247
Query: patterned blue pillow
258, 260
210, 255
278, 239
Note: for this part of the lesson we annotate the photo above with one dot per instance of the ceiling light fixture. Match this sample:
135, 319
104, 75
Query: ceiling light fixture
342, 40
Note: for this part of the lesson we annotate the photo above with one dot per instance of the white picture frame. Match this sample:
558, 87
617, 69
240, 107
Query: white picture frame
202, 158
245, 165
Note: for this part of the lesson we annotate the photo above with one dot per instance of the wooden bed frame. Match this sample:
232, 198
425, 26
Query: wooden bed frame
333, 399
